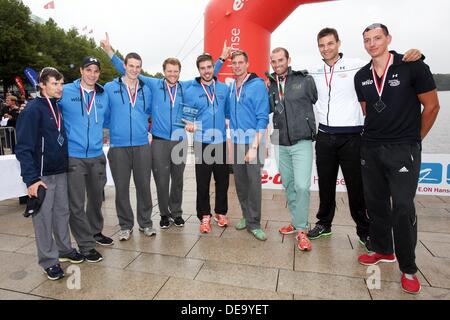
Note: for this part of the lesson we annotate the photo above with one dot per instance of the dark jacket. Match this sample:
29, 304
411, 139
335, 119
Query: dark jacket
38, 149
293, 118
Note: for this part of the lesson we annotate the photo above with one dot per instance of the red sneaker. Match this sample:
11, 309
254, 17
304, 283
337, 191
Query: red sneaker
205, 226
373, 258
410, 286
303, 243
221, 220
287, 230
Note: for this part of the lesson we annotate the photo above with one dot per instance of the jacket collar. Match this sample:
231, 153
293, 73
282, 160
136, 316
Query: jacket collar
341, 55
98, 87
304, 73
198, 79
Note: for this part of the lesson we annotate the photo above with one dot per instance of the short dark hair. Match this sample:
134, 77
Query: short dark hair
375, 26
47, 73
326, 32
132, 55
239, 53
204, 57
172, 61
278, 49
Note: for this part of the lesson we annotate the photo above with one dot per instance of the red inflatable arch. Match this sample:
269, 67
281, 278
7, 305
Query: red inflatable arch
246, 25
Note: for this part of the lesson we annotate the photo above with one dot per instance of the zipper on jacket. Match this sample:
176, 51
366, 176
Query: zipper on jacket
42, 156
88, 130
214, 120
287, 126
329, 100
170, 131
131, 129
285, 115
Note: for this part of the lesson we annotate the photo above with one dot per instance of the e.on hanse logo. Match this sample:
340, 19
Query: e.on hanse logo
238, 4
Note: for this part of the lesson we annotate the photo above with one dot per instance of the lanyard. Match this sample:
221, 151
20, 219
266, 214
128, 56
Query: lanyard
210, 98
281, 86
238, 92
57, 119
380, 86
88, 105
133, 97
172, 96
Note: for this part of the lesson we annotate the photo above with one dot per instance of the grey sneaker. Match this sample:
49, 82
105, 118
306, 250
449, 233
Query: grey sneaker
148, 231
124, 235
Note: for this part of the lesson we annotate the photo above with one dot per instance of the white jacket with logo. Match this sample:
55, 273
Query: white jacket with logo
337, 107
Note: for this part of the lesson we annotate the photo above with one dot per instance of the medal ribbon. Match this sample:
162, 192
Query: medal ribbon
380, 86
174, 96
326, 77
133, 97
88, 105
57, 121
238, 92
281, 86
210, 98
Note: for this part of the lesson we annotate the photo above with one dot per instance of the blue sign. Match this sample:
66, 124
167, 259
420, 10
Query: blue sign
431, 173
448, 174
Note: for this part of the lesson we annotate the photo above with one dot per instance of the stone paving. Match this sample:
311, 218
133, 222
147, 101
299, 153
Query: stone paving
180, 263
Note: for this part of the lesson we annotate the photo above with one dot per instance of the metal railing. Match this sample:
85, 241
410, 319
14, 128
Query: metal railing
7, 140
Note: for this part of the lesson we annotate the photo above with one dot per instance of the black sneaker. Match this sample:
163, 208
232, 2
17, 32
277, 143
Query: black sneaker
178, 221
93, 256
103, 240
365, 242
319, 231
165, 222
55, 272
73, 257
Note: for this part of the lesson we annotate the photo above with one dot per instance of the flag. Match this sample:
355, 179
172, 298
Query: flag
20, 85
50, 5
31, 76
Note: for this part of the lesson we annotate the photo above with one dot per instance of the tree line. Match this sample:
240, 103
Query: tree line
25, 43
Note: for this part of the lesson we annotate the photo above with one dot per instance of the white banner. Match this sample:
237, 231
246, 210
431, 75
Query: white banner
434, 176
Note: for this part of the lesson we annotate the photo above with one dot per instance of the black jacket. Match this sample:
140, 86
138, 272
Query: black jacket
293, 118
37, 148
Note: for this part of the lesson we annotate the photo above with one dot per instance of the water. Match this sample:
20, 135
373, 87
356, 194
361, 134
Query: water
438, 139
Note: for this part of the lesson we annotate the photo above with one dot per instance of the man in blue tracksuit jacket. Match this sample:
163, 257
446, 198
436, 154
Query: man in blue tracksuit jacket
211, 100
169, 143
85, 106
130, 151
42, 152
249, 116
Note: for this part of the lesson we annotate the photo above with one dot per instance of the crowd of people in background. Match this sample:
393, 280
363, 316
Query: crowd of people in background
10, 108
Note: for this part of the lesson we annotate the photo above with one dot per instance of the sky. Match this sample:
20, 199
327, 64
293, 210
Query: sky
160, 29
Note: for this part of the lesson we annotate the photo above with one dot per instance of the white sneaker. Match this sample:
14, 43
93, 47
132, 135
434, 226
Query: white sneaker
124, 235
148, 231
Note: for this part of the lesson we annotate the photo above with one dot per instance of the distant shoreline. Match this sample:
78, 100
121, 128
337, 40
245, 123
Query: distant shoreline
442, 81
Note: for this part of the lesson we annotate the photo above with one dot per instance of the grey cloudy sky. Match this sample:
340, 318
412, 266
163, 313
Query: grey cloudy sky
159, 29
